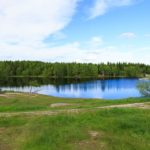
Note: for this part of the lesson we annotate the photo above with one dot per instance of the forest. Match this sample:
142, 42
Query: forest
71, 70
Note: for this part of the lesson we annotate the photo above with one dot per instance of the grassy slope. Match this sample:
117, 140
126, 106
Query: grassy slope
116, 129
27, 102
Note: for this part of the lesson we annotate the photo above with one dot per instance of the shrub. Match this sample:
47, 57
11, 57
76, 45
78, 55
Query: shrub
144, 88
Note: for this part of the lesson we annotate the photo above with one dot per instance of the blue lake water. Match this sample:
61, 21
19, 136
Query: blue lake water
103, 89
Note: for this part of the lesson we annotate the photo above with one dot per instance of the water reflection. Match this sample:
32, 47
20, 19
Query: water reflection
108, 89
104, 85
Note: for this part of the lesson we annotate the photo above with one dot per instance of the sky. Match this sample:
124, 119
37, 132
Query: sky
75, 30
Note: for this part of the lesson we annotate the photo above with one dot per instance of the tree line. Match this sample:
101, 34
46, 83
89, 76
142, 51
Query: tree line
71, 70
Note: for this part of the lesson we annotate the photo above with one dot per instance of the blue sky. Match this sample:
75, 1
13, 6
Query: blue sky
75, 30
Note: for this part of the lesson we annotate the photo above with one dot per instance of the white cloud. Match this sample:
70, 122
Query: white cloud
75, 52
128, 35
36, 52
32, 20
96, 41
24, 25
100, 7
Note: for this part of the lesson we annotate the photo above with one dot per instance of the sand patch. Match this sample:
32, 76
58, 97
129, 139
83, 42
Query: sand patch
60, 105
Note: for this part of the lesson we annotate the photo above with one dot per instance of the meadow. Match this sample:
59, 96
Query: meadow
91, 128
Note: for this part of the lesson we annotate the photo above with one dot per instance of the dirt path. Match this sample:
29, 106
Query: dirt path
145, 105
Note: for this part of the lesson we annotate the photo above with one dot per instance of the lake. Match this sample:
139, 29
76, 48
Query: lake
105, 89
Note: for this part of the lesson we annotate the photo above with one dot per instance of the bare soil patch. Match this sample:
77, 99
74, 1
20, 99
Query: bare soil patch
94, 142
60, 105
145, 105
4, 95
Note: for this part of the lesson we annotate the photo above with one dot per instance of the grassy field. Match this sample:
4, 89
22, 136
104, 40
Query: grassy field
13, 102
99, 129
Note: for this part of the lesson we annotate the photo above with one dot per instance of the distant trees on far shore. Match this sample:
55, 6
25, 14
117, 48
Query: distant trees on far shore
71, 70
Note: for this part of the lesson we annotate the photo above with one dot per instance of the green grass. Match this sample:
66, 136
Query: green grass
29, 102
117, 129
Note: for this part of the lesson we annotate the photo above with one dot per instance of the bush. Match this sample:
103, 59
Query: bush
144, 88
